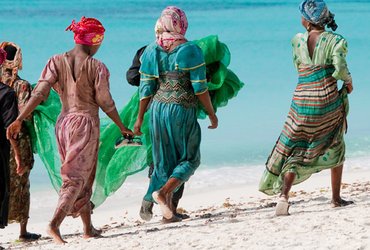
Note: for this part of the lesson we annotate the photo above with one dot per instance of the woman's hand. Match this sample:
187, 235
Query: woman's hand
20, 169
137, 126
13, 130
17, 155
214, 121
349, 86
126, 132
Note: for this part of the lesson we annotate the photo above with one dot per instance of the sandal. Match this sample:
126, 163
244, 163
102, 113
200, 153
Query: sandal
341, 203
172, 220
146, 210
29, 237
182, 216
127, 141
282, 207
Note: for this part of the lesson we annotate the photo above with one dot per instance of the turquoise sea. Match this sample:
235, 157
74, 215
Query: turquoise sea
258, 34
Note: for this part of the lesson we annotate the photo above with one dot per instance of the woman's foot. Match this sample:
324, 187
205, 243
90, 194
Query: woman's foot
93, 232
146, 210
340, 203
164, 204
29, 237
172, 220
54, 233
282, 206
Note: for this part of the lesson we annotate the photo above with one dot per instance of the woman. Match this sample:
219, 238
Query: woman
173, 73
82, 83
19, 200
312, 138
8, 113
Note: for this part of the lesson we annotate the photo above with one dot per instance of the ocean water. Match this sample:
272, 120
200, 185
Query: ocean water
258, 34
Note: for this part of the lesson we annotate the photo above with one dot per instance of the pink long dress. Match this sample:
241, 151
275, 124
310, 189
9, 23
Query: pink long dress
77, 128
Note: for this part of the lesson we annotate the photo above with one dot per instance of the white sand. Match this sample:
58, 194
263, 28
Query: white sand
234, 217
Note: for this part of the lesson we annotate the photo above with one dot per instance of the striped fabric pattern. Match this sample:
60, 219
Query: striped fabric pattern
315, 118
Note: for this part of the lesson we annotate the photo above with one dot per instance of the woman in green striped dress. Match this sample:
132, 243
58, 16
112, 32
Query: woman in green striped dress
312, 137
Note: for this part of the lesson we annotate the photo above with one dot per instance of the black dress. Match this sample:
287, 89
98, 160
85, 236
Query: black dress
133, 74
8, 113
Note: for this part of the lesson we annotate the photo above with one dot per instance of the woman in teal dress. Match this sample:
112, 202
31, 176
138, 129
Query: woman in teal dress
312, 137
173, 76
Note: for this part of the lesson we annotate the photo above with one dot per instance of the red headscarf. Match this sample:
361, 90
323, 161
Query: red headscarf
88, 31
2, 56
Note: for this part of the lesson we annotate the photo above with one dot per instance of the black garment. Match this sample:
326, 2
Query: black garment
8, 113
133, 74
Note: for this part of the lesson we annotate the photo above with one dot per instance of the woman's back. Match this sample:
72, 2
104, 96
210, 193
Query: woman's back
330, 49
85, 91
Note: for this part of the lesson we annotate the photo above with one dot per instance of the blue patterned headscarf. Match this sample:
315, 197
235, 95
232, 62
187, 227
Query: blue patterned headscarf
316, 12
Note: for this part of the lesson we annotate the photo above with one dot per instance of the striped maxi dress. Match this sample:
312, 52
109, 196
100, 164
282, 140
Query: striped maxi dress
312, 136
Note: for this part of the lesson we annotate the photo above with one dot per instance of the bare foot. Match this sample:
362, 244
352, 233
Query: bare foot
162, 201
54, 233
93, 232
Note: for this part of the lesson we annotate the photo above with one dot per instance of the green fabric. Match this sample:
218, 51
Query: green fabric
42, 131
331, 49
114, 165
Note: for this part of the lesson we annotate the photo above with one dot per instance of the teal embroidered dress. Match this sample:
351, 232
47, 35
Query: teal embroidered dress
173, 79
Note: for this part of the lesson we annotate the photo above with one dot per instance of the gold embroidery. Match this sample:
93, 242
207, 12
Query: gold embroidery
195, 67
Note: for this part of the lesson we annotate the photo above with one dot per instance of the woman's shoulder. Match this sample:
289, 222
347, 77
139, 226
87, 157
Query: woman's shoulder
189, 50
188, 47
96, 64
150, 48
299, 37
56, 58
335, 37
189, 55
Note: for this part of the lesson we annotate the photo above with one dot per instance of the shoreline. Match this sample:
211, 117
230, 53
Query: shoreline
222, 211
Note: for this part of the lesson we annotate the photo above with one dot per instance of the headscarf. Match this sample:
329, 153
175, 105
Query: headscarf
170, 27
88, 31
316, 12
2, 56
11, 65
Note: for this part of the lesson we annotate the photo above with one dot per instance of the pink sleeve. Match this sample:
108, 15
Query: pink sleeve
102, 94
49, 76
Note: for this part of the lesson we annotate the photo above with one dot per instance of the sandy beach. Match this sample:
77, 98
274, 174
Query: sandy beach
232, 217
222, 199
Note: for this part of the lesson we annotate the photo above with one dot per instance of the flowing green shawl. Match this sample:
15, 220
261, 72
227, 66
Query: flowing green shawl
115, 165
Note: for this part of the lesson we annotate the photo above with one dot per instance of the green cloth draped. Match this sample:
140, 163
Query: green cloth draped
115, 165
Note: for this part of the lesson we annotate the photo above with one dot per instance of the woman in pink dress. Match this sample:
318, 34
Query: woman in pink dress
82, 83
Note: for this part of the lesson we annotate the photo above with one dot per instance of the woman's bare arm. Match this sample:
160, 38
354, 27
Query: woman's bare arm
205, 99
